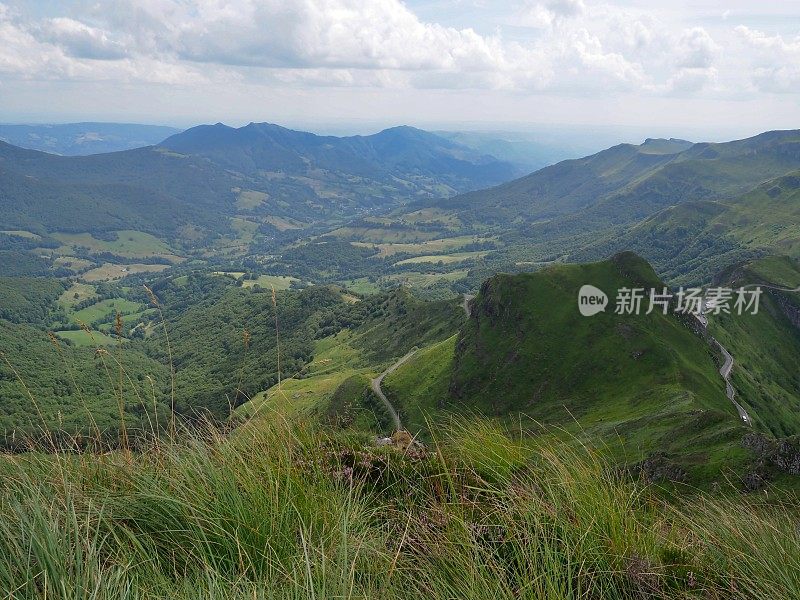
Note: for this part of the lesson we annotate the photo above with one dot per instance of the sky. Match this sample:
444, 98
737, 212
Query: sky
717, 69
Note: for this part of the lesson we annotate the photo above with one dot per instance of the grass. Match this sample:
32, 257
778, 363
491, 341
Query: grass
77, 292
105, 309
109, 271
434, 246
282, 510
22, 233
418, 388
362, 286
129, 243
335, 359
82, 338
442, 258
249, 199
279, 282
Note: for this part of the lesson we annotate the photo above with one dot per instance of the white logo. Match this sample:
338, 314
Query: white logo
591, 300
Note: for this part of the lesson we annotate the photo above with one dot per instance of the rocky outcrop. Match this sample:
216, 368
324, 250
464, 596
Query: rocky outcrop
781, 456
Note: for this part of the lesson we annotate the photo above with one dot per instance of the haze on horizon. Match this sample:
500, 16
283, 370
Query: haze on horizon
695, 69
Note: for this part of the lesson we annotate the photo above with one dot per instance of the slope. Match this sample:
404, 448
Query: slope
401, 159
647, 384
766, 345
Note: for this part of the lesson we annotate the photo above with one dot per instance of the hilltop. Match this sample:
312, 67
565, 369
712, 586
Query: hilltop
640, 386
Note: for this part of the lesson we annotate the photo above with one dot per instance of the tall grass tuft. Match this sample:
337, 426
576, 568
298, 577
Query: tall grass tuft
280, 509
157, 305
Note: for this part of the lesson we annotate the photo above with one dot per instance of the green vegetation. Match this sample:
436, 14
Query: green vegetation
270, 281
766, 346
94, 339
105, 311
285, 511
127, 243
636, 385
27, 300
418, 389
49, 385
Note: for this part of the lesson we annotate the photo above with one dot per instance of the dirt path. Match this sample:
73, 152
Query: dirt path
725, 371
376, 387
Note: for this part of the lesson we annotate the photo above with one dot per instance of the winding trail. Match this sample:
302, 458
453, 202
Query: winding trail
725, 371
376, 387
376, 383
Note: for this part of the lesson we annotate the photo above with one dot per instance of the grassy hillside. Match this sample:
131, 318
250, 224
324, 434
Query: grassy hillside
648, 383
766, 346
49, 384
691, 242
691, 209
286, 511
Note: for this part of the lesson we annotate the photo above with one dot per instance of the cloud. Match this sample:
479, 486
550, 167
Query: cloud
775, 60
80, 40
696, 49
559, 46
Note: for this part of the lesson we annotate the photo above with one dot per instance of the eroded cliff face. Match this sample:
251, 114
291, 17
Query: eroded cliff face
789, 308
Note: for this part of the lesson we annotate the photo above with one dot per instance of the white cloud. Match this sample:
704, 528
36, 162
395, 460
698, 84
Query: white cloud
775, 60
581, 47
80, 40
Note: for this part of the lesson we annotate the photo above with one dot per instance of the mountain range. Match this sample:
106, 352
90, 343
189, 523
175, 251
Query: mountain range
80, 139
690, 208
189, 187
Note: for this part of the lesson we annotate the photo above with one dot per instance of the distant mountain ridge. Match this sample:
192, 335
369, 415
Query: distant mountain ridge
656, 198
81, 139
188, 188
402, 151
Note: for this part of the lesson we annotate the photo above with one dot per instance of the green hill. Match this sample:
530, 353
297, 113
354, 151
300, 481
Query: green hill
691, 242
766, 346
691, 209
648, 383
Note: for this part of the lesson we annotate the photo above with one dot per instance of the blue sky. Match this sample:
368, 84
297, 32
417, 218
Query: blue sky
717, 69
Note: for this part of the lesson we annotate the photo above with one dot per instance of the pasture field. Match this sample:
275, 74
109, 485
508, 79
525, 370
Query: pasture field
83, 339
73, 263
78, 292
129, 243
105, 310
381, 235
433, 246
279, 282
443, 258
415, 279
109, 271
362, 286
249, 199
22, 233
282, 224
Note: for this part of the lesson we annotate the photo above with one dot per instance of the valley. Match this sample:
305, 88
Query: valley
242, 290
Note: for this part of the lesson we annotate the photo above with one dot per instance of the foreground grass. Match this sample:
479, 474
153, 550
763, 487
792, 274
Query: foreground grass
280, 510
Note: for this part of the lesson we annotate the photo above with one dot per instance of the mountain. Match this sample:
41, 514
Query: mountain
693, 241
691, 209
80, 139
146, 189
766, 345
425, 163
646, 383
214, 183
